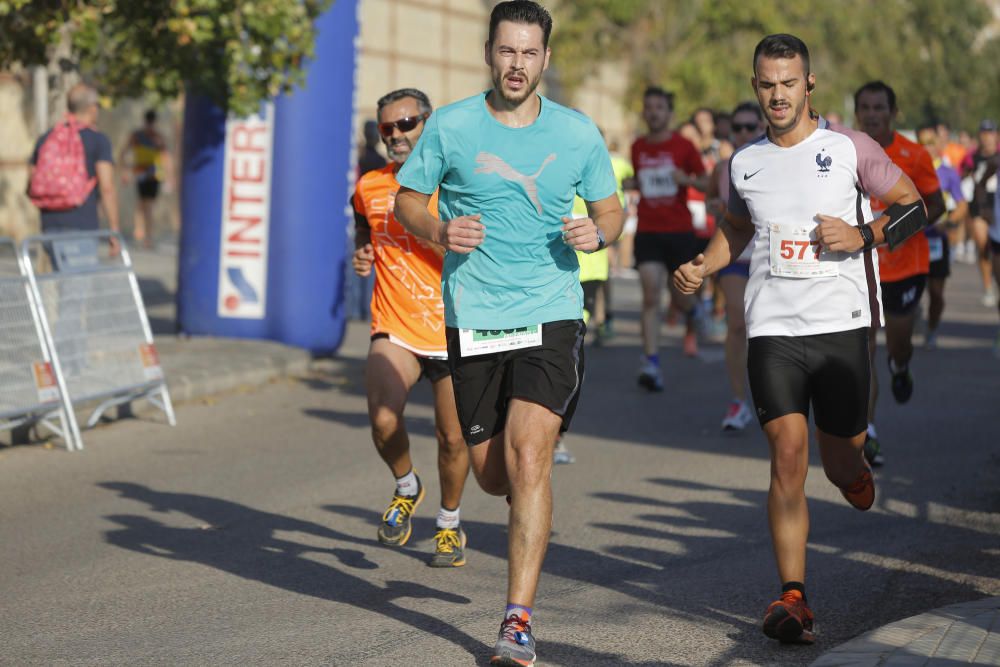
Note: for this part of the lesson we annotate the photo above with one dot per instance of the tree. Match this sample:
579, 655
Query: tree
934, 53
237, 52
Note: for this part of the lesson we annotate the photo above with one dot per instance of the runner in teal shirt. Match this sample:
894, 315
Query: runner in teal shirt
506, 165
522, 181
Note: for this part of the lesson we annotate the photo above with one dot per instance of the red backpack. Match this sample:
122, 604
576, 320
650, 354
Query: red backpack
60, 180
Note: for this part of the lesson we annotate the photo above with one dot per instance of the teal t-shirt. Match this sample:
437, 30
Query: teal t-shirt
522, 182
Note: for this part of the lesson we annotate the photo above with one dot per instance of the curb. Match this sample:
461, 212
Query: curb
196, 367
966, 633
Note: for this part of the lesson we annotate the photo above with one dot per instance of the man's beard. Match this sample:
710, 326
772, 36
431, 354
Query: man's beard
395, 155
518, 96
790, 119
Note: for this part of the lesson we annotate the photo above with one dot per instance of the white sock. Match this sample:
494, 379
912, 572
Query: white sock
871, 431
447, 518
408, 484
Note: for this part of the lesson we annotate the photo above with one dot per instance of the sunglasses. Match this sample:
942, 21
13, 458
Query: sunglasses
404, 124
744, 127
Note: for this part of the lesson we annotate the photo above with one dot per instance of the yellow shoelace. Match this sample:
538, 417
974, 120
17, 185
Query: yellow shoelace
401, 503
447, 540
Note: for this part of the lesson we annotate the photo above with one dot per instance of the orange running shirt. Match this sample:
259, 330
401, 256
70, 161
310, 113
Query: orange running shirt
913, 257
406, 302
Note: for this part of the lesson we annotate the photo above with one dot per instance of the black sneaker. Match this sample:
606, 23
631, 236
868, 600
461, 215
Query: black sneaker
902, 383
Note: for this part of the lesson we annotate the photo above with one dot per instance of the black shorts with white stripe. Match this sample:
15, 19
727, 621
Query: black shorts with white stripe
549, 374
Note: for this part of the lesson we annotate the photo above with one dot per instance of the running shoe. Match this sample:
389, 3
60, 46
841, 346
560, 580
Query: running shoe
873, 451
737, 417
789, 620
931, 341
515, 646
861, 494
989, 298
395, 528
902, 383
450, 548
649, 376
562, 455
690, 344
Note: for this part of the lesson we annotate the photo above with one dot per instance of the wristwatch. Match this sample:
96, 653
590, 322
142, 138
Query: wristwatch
601, 242
867, 236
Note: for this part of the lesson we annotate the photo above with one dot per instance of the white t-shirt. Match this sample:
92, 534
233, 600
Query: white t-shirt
792, 291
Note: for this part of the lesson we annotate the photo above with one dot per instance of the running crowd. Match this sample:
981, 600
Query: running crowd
488, 232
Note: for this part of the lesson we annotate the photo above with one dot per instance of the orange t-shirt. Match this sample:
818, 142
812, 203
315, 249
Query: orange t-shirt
406, 302
913, 257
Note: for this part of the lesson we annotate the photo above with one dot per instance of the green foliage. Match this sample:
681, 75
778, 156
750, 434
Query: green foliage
932, 52
238, 52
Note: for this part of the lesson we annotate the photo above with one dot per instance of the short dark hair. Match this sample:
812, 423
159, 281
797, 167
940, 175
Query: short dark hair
752, 107
781, 45
522, 11
656, 91
876, 87
423, 102
927, 125
150, 116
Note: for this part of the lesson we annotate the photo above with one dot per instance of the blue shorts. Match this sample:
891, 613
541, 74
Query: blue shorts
737, 268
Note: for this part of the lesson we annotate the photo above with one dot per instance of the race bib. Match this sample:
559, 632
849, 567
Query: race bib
657, 182
796, 254
936, 246
487, 341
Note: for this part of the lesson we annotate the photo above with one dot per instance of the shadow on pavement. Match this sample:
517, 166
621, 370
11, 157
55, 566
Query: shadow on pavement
242, 541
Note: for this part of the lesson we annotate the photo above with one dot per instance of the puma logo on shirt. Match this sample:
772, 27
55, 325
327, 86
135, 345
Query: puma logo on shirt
491, 164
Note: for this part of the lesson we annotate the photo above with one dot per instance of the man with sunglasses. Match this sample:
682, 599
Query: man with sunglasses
508, 163
903, 270
407, 336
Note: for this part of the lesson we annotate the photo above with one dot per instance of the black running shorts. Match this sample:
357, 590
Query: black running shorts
832, 371
550, 375
671, 249
148, 188
901, 297
432, 369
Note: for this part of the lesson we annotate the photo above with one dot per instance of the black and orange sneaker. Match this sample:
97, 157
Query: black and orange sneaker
789, 620
396, 528
516, 645
861, 494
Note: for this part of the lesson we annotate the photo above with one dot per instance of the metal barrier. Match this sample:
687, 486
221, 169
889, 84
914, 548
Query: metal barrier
31, 390
94, 321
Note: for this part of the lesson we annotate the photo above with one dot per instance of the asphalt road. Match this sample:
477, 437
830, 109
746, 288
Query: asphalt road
246, 535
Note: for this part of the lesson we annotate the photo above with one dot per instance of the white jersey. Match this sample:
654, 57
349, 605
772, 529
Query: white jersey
793, 289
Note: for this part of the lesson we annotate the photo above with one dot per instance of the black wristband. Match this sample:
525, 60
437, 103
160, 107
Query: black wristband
867, 235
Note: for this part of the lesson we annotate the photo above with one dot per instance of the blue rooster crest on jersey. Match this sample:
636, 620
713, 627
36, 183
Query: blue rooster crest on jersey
823, 162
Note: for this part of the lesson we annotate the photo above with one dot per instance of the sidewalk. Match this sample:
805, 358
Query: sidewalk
202, 365
961, 634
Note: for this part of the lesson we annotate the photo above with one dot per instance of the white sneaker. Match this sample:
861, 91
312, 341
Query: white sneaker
562, 455
649, 376
989, 299
737, 417
931, 342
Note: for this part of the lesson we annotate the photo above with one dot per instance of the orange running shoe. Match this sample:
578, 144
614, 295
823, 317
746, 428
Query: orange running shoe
789, 620
861, 494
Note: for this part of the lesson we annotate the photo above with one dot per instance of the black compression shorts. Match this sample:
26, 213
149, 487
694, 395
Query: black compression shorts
831, 371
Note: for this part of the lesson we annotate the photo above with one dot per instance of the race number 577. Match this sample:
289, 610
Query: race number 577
791, 247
